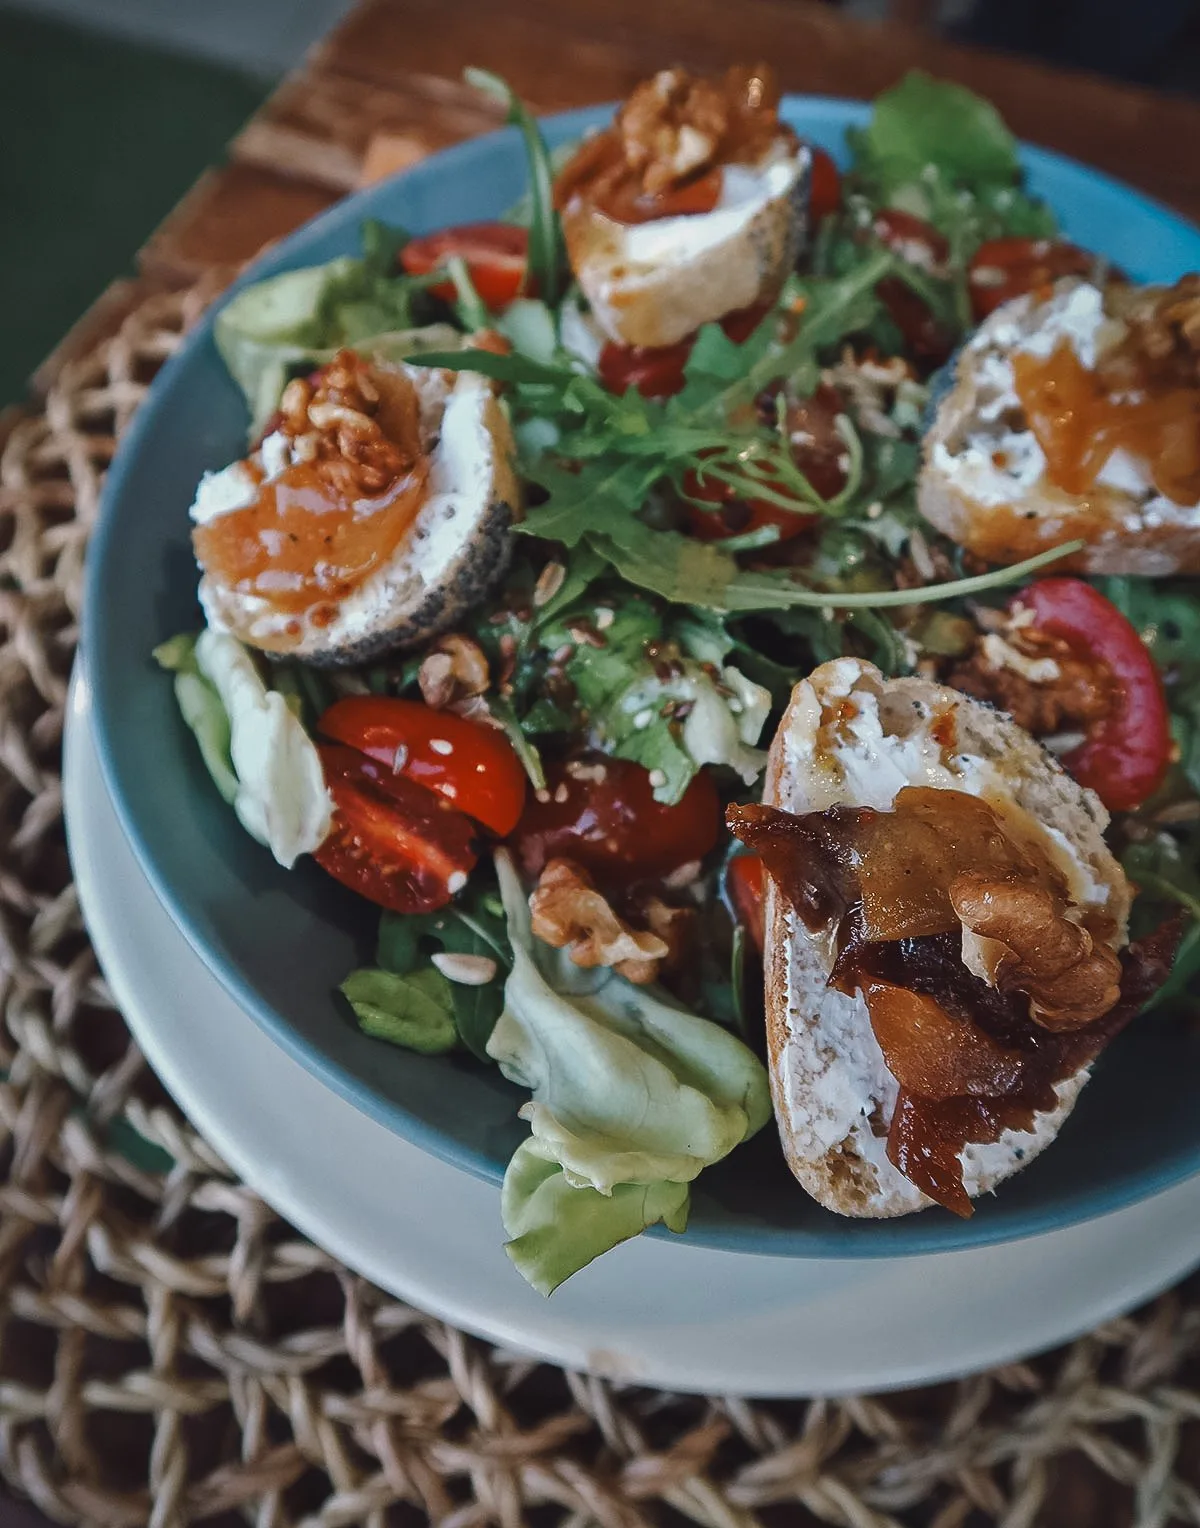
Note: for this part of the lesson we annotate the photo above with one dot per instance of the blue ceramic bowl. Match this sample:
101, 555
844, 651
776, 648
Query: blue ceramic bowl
280, 942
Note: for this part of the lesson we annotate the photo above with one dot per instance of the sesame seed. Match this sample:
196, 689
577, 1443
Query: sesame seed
450, 791
456, 881
643, 718
604, 617
399, 758
657, 778
561, 794
440, 745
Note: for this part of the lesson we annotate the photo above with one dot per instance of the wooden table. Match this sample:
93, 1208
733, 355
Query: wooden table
386, 88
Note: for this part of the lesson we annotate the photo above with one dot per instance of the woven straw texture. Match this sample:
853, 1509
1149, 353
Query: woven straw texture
171, 1352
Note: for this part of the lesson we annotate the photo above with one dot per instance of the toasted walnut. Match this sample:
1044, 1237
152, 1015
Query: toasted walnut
1037, 678
1069, 978
454, 670
357, 425
1164, 331
672, 924
569, 913
675, 126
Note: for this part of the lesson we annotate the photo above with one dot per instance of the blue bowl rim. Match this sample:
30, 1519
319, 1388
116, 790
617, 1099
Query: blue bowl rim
926, 1234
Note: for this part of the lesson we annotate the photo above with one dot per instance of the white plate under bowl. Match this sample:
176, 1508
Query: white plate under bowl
652, 1311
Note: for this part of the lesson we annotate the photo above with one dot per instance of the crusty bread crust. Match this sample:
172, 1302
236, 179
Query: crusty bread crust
828, 1081
1125, 533
660, 302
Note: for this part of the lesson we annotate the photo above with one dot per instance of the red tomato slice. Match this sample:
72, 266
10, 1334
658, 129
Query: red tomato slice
392, 841
496, 255
1003, 269
824, 185
926, 343
746, 888
657, 372
470, 764
1127, 752
601, 813
912, 238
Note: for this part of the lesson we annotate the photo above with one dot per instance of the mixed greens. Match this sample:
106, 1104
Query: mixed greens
627, 625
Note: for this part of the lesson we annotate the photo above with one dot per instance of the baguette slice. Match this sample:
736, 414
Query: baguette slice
983, 482
850, 737
653, 284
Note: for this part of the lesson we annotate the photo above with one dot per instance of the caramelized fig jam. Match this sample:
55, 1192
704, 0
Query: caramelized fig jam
1143, 397
903, 892
354, 482
663, 155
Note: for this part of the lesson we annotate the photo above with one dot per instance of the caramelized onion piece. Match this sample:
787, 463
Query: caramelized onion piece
1069, 979
929, 1053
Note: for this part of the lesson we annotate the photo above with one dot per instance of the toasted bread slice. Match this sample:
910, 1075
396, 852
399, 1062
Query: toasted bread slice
652, 284
983, 480
457, 548
850, 737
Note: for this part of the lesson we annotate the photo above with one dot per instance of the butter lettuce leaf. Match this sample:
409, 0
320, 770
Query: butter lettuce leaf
631, 1099
923, 121
290, 323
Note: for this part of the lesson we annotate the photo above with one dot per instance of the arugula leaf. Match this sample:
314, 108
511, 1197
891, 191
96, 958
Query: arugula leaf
415, 1011
546, 264
923, 121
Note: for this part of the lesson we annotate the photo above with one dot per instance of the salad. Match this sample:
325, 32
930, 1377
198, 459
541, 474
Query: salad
542, 520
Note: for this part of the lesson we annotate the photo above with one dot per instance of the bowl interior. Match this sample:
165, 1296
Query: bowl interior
280, 942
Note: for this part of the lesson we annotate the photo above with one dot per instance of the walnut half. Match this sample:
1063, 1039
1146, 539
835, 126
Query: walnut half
1069, 979
569, 913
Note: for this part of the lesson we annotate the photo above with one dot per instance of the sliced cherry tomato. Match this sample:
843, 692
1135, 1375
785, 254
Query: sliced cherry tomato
392, 841
468, 763
1003, 269
824, 184
1127, 752
496, 255
601, 812
912, 238
657, 372
817, 449
746, 888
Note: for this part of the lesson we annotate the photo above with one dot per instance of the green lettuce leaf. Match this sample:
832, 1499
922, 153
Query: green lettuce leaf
415, 1011
252, 741
201, 708
473, 925
923, 121
290, 323
630, 1096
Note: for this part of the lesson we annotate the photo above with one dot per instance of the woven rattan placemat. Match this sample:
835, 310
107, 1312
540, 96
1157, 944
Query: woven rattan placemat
172, 1352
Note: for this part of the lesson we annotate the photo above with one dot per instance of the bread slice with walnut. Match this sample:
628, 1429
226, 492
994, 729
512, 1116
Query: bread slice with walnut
851, 738
984, 481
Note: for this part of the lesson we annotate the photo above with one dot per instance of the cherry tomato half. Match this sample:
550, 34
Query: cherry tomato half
926, 343
1127, 752
470, 764
817, 449
824, 184
601, 813
496, 256
392, 841
746, 888
657, 371
1003, 269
